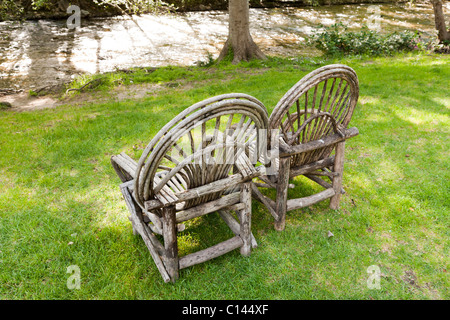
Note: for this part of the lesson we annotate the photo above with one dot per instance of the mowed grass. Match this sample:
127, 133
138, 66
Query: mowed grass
60, 204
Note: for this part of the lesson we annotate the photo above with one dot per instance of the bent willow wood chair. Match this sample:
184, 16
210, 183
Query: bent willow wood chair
198, 163
307, 125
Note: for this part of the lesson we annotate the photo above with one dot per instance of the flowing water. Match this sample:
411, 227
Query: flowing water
35, 54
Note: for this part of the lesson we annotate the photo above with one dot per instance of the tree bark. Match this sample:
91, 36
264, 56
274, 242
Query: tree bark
439, 19
239, 41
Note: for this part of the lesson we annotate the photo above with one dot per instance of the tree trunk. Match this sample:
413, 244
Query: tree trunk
439, 18
239, 40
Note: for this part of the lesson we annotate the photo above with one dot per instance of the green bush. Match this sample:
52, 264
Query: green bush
9, 10
337, 40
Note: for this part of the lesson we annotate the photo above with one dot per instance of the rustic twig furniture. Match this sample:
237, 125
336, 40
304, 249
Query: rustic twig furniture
312, 119
198, 163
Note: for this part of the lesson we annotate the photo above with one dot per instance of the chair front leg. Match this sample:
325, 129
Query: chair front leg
245, 218
170, 242
282, 186
337, 180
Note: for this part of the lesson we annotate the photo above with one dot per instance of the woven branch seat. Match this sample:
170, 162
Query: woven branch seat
200, 162
310, 122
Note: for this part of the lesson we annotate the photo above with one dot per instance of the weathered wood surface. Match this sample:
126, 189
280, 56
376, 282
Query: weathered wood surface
322, 182
312, 119
218, 185
211, 252
327, 99
173, 182
245, 218
124, 166
156, 220
269, 203
339, 169
293, 204
208, 207
282, 187
235, 226
217, 110
321, 143
310, 167
170, 242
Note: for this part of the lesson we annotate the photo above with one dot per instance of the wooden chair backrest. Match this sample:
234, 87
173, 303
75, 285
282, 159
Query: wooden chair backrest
199, 146
321, 103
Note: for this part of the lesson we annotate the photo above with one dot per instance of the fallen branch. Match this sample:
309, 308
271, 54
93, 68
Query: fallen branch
97, 81
4, 92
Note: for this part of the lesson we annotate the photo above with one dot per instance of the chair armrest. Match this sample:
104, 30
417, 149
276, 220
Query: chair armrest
286, 150
124, 166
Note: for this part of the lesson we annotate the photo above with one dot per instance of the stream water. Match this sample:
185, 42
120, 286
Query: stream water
35, 54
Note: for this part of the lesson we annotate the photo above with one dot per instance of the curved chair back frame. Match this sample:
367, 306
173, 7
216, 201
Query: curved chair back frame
311, 120
195, 166
332, 89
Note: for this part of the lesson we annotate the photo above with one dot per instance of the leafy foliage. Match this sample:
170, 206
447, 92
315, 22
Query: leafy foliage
135, 6
10, 9
337, 40
41, 4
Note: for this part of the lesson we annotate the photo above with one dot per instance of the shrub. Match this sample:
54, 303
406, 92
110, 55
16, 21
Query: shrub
10, 10
337, 40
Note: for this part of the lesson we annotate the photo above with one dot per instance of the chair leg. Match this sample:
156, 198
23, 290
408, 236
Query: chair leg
170, 242
139, 227
245, 218
337, 181
135, 232
282, 186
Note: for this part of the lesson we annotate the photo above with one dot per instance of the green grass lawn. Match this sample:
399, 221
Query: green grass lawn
60, 204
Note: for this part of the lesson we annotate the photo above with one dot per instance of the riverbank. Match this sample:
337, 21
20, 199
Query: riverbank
57, 9
200, 5
43, 55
